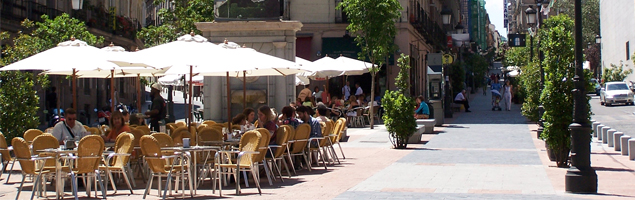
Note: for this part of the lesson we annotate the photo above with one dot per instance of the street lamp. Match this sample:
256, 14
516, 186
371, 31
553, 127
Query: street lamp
446, 14
531, 16
598, 41
78, 4
581, 177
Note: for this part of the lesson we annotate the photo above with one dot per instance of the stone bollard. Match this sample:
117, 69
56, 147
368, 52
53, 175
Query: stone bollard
617, 140
599, 132
609, 137
595, 128
631, 149
624, 140
605, 131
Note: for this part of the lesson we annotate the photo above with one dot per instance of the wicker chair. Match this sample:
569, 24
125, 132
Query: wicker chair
326, 144
337, 134
29, 135
86, 163
277, 151
45, 141
263, 147
321, 142
121, 155
181, 124
163, 139
159, 165
93, 131
209, 134
299, 147
28, 164
145, 129
170, 127
6, 156
179, 134
245, 159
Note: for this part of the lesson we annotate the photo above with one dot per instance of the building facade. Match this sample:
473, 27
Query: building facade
616, 46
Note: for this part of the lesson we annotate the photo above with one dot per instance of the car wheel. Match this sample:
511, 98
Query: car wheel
608, 104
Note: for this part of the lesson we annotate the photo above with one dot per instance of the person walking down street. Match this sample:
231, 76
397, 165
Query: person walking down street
507, 94
422, 112
346, 90
495, 85
69, 128
157, 110
460, 99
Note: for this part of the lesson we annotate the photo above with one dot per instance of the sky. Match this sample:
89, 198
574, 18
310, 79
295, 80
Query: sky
495, 10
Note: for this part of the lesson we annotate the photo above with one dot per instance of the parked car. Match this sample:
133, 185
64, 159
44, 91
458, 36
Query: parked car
616, 92
596, 87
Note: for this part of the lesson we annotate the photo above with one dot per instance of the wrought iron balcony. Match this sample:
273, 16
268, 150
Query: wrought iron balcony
428, 28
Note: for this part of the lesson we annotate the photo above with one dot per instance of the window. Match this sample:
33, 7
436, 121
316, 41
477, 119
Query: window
628, 51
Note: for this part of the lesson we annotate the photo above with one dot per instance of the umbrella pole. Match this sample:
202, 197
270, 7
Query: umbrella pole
190, 99
138, 93
74, 89
229, 106
112, 91
244, 89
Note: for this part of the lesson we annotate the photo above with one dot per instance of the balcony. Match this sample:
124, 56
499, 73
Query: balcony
427, 27
94, 17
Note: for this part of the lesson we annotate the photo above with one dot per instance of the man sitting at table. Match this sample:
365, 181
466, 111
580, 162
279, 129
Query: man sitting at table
316, 129
321, 113
69, 128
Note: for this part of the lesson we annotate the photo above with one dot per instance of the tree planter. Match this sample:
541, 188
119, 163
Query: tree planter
550, 153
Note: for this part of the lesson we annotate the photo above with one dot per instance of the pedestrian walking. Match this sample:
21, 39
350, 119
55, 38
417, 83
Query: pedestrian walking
507, 94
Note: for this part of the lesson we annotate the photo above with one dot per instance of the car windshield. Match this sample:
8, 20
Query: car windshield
617, 87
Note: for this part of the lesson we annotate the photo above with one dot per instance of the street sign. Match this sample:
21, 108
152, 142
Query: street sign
435, 59
448, 59
516, 40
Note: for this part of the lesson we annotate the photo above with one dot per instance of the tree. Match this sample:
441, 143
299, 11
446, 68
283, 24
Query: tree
177, 21
616, 72
558, 47
591, 13
373, 22
18, 89
399, 109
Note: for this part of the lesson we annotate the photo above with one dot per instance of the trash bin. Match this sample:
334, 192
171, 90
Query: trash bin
436, 112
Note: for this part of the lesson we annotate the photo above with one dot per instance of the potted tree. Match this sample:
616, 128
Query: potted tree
399, 109
558, 47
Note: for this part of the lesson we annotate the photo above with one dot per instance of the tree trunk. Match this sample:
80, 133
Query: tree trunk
562, 158
372, 100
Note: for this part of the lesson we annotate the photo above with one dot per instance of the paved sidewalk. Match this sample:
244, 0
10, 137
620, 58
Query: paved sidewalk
484, 154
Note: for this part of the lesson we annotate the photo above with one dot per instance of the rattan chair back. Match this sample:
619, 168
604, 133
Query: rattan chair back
263, 144
210, 134
282, 137
89, 152
302, 134
6, 156
137, 133
123, 145
23, 154
151, 151
250, 141
163, 139
170, 127
179, 134
29, 135
145, 129
181, 124
45, 141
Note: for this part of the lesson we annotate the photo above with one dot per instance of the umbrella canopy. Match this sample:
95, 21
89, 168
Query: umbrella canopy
176, 80
352, 66
68, 55
328, 67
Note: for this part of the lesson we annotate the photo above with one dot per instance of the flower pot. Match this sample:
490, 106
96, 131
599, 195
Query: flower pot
550, 153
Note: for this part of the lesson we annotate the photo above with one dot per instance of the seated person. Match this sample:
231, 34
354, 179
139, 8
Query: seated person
308, 102
70, 128
316, 128
336, 106
266, 119
288, 117
240, 119
352, 106
460, 99
321, 113
293, 104
137, 119
422, 112
117, 126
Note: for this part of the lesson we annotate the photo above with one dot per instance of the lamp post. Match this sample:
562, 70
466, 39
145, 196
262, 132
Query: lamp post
77, 4
446, 15
598, 41
581, 177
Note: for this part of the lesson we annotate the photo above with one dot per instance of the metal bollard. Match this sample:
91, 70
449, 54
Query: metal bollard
595, 128
616, 139
609, 137
624, 140
631, 149
605, 131
599, 132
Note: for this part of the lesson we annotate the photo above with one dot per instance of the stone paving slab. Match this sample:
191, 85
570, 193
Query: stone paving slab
445, 196
482, 156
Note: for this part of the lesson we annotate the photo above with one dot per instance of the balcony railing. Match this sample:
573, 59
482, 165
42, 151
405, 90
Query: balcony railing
427, 27
19, 10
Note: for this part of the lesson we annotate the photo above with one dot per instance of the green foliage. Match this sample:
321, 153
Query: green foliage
558, 47
457, 77
402, 81
399, 109
590, 17
177, 21
616, 72
530, 85
18, 89
477, 64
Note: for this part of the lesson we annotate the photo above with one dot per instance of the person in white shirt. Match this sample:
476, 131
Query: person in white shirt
321, 113
317, 93
69, 128
346, 90
359, 90
460, 99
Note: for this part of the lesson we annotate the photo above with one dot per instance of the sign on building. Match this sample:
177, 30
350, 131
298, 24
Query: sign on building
516, 40
435, 59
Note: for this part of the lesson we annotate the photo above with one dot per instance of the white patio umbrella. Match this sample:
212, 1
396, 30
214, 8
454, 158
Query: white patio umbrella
73, 56
352, 66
